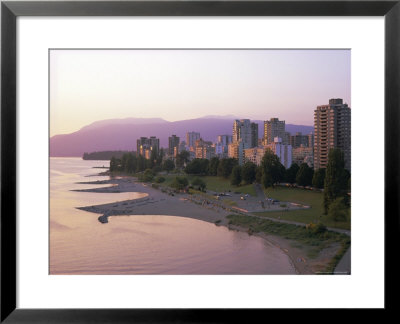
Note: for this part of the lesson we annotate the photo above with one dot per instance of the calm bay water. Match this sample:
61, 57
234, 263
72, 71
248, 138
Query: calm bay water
80, 244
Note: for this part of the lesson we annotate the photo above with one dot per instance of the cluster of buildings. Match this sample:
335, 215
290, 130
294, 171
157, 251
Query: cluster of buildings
331, 130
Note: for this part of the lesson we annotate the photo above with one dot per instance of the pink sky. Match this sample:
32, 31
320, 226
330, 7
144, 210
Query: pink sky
91, 85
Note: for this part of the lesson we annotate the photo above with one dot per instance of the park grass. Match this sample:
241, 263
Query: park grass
220, 184
299, 235
315, 214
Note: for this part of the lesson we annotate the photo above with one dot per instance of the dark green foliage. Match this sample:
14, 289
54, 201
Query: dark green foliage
304, 175
160, 179
291, 173
153, 159
180, 183
259, 174
213, 167
103, 155
225, 167
128, 163
318, 178
115, 164
336, 178
141, 163
338, 211
199, 183
197, 166
168, 165
236, 177
160, 157
315, 229
131, 163
272, 169
147, 175
249, 172
182, 158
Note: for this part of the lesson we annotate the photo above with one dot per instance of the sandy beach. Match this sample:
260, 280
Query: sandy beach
156, 202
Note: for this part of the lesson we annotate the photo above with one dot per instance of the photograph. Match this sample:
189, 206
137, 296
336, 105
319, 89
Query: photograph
199, 161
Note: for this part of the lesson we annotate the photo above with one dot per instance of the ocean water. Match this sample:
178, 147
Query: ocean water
142, 244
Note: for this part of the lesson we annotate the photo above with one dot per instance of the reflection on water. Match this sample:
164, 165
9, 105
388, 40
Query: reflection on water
80, 244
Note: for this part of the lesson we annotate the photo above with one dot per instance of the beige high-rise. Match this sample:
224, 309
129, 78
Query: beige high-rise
274, 128
332, 129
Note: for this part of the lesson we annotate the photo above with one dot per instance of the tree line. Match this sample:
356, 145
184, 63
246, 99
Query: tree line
335, 179
103, 155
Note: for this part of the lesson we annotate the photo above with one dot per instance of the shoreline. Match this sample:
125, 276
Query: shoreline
156, 202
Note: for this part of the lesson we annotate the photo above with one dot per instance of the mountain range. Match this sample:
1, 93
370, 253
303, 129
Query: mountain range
121, 134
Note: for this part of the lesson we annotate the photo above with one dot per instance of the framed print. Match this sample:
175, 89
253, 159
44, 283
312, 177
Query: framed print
195, 160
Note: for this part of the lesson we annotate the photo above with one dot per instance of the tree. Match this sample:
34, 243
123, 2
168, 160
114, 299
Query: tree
153, 158
141, 163
182, 158
259, 174
336, 178
197, 166
160, 157
304, 175
148, 175
225, 167
160, 179
249, 172
199, 183
338, 211
318, 178
236, 177
128, 163
213, 167
179, 183
168, 165
272, 169
291, 173
115, 164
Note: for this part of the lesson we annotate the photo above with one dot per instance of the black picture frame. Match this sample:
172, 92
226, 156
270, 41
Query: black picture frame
11, 10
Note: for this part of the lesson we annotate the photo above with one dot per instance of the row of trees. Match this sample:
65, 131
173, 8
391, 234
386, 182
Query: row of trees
335, 179
131, 163
336, 186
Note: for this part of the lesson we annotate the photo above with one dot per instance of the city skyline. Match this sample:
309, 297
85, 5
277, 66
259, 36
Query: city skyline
87, 86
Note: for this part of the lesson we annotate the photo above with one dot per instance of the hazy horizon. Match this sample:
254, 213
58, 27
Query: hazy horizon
225, 117
94, 85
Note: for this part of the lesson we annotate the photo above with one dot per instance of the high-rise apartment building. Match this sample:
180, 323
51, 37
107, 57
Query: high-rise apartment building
224, 139
282, 151
146, 145
332, 129
303, 154
173, 145
236, 151
245, 132
242, 132
298, 140
204, 149
310, 140
254, 155
191, 138
274, 128
254, 134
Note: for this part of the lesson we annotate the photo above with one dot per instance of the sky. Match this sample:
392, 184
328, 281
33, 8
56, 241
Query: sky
91, 85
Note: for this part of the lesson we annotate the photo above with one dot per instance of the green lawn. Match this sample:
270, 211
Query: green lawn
221, 184
306, 197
